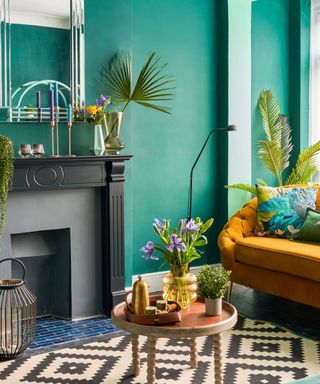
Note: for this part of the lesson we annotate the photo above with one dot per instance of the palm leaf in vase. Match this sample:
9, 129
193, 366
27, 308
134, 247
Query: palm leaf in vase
152, 86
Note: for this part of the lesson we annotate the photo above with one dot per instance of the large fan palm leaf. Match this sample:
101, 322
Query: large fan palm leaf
151, 85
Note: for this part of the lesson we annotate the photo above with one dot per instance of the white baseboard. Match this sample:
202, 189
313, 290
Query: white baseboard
154, 279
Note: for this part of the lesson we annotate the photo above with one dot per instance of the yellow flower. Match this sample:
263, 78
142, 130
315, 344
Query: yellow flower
92, 109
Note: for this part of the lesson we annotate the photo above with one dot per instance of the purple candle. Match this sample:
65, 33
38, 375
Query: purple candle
38, 99
52, 106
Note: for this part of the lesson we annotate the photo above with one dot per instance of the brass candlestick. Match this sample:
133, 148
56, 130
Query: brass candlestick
57, 130
52, 138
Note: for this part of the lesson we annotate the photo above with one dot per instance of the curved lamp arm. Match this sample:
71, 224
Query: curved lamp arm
226, 129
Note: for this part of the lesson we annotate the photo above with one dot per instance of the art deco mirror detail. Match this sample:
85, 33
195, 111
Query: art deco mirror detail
41, 47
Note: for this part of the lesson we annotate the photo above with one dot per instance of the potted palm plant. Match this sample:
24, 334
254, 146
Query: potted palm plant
275, 151
6, 173
212, 285
151, 87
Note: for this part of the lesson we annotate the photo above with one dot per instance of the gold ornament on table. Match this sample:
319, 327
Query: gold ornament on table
179, 248
140, 297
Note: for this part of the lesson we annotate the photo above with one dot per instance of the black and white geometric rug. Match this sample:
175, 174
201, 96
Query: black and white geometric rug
254, 353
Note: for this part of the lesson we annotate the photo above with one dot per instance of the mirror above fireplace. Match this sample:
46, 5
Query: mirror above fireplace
41, 46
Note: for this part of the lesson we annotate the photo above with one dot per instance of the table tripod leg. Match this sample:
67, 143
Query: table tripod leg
151, 370
193, 353
217, 348
135, 354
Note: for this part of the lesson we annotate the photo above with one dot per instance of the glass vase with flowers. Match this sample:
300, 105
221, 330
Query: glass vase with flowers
179, 248
94, 115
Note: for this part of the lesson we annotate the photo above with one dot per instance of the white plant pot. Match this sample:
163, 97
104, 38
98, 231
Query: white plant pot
213, 307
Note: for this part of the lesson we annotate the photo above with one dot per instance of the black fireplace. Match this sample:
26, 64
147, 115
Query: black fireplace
66, 222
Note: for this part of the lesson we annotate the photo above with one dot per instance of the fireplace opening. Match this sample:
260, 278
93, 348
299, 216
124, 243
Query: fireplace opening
46, 256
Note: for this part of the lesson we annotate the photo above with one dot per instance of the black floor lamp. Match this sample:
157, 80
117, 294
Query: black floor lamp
229, 128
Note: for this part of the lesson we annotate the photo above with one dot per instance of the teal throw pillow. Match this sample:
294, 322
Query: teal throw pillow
281, 211
310, 230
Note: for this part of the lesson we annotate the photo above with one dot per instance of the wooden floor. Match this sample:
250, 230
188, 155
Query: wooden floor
299, 318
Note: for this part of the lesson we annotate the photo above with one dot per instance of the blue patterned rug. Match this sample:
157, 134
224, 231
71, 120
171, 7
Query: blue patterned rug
254, 353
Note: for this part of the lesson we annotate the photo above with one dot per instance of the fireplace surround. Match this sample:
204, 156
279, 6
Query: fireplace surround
83, 199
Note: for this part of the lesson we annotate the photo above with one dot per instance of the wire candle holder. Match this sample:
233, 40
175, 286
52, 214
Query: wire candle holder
17, 316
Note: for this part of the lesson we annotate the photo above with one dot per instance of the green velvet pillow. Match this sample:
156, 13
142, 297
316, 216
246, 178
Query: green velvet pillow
310, 230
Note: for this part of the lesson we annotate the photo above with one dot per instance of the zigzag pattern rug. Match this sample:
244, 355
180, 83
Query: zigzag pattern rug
254, 353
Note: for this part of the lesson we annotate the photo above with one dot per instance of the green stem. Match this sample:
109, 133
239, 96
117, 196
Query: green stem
125, 106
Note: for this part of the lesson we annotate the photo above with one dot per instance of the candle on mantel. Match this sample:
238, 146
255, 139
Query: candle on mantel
38, 99
69, 115
50, 86
38, 102
56, 95
51, 107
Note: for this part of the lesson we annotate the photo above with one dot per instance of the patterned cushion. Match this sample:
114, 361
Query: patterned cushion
281, 211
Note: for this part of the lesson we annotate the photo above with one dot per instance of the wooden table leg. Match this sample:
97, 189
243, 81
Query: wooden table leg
135, 354
151, 370
193, 353
217, 348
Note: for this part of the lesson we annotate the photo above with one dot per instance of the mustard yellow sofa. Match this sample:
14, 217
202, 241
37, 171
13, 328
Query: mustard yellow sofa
281, 267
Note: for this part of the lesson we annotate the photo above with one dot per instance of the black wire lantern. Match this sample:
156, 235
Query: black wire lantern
17, 315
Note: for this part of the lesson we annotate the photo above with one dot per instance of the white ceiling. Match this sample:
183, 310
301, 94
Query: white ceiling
50, 13
50, 7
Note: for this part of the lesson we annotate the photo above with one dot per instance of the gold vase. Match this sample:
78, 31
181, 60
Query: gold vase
112, 122
180, 285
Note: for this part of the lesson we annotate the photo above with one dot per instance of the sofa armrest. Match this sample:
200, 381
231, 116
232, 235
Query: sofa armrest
241, 224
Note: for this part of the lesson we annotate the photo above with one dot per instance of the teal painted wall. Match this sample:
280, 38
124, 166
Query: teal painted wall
280, 62
193, 39
270, 67
165, 147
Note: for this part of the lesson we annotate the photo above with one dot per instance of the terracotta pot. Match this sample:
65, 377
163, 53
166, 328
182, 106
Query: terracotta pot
213, 306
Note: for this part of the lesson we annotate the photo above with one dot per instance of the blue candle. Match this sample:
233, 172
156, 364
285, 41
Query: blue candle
51, 106
56, 94
69, 114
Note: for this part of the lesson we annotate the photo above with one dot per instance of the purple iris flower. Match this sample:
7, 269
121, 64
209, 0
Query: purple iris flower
190, 226
176, 242
102, 101
157, 223
148, 250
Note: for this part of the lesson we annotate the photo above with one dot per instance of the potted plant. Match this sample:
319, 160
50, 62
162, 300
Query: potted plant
212, 284
6, 173
275, 151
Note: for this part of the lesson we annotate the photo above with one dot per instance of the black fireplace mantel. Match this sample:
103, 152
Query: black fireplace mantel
105, 172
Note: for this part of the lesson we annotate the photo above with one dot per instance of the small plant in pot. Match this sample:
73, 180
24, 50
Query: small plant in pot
212, 285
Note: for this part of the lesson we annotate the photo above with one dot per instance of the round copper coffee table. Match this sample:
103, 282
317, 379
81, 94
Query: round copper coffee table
194, 324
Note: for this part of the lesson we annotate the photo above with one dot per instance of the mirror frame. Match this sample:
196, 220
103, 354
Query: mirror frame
77, 63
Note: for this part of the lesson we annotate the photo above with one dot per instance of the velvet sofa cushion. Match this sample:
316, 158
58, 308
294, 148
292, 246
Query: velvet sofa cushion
281, 210
283, 255
310, 230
